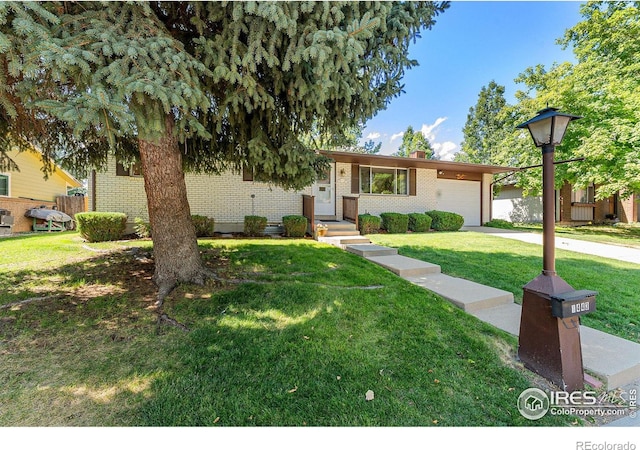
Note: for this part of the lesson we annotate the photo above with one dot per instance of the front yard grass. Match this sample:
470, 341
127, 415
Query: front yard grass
509, 264
627, 235
295, 337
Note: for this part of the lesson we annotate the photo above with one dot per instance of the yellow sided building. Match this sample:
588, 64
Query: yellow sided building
27, 188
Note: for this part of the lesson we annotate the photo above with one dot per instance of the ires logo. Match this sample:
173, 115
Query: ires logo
534, 403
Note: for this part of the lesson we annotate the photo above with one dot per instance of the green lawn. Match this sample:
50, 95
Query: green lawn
296, 337
627, 235
509, 264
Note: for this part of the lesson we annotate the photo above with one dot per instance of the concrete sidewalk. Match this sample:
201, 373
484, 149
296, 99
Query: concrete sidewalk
627, 254
614, 360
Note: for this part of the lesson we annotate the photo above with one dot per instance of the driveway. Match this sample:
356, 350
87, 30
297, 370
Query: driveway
618, 252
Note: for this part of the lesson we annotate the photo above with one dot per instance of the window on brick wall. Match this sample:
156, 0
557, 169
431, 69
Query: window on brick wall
384, 181
586, 195
133, 170
247, 173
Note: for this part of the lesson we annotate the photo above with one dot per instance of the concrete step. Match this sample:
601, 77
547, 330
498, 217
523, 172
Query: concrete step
331, 232
405, 267
505, 317
467, 295
613, 359
343, 241
369, 250
339, 225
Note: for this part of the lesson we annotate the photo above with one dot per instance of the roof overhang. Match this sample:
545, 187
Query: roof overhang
419, 163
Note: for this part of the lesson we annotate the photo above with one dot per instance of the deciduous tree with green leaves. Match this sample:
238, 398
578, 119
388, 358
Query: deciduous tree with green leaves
603, 86
198, 86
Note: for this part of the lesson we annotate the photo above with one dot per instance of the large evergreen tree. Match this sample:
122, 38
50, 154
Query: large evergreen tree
200, 86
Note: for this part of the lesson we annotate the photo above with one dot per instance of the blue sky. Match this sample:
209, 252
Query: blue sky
472, 43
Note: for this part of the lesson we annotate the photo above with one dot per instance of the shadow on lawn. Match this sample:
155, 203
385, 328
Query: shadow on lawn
298, 342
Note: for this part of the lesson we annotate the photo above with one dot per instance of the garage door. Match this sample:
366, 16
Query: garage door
462, 197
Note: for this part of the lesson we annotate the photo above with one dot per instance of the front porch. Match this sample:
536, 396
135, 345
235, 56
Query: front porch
335, 230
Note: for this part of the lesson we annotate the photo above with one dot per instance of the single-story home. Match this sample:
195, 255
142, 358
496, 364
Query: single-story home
573, 206
357, 184
27, 188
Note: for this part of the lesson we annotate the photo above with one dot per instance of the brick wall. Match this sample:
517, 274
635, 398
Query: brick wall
226, 198
628, 209
18, 206
565, 203
424, 200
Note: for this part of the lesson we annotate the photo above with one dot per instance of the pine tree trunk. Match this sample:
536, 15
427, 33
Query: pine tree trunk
175, 247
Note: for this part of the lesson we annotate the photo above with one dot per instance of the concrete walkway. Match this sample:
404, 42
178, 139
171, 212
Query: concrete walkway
610, 251
614, 360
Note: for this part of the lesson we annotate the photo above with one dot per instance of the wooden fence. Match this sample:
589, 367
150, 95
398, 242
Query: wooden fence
308, 210
350, 209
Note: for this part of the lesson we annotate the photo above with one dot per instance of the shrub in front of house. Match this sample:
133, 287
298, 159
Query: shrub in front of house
499, 223
101, 226
395, 223
368, 224
445, 221
419, 223
142, 228
254, 225
204, 225
294, 226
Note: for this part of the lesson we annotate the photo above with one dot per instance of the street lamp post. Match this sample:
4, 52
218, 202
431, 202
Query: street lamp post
549, 340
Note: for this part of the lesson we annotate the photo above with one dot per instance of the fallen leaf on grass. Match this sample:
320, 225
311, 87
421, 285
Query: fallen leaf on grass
306, 337
436, 381
291, 391
435, 422
338, 378
369, 395
216, 419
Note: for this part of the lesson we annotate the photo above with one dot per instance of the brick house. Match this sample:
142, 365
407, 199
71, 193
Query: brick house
573, 206
27, 188
356, 184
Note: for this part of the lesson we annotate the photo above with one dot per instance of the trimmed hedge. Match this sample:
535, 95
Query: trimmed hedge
142, 228
294, 226
395, 222
101, 226
445, 221
254, 225
368, 224
499, 223
419, 223
204, 225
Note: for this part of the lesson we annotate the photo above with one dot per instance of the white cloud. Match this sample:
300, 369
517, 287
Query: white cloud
443, 150
374, 135
396, 136
429, 131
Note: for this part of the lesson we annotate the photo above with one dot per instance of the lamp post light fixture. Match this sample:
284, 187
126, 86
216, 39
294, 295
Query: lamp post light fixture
549, 339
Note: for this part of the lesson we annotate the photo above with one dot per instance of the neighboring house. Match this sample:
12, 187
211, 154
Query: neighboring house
573, 206
356, 184
27, 188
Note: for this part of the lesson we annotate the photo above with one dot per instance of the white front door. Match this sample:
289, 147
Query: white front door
323, 191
